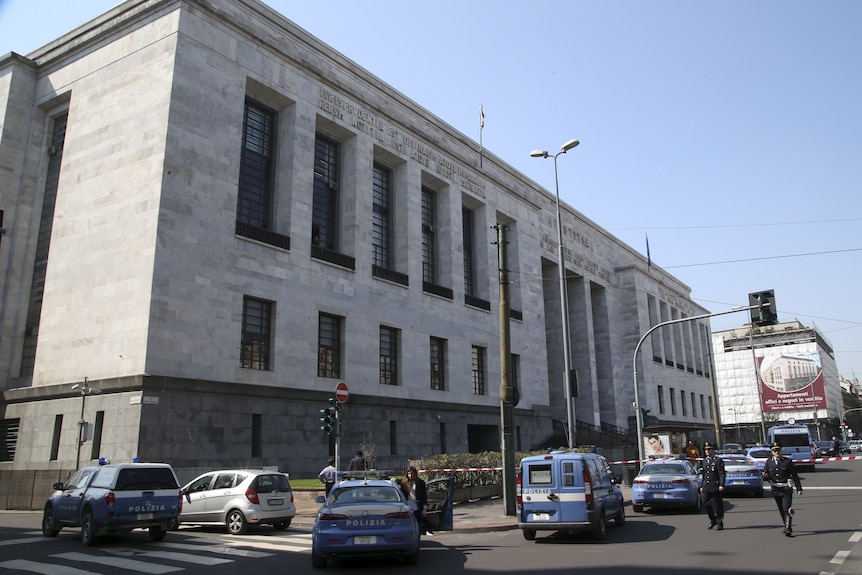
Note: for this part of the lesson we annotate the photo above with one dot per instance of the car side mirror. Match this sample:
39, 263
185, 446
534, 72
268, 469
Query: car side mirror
58, 486
320, 499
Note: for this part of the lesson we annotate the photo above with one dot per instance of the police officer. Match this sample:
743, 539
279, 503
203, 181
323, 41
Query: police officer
779, 471
713, 486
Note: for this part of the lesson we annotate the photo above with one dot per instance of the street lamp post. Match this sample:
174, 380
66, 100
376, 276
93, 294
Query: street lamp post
564, 298
85, 391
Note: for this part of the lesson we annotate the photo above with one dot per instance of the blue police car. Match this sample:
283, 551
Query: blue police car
667, 483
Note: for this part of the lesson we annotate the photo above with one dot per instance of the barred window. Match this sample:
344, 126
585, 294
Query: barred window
256, 336
324, 210
478, 370
438, 363
429, 247
254, 199
469, 253
388, 356
381, 236
329, 346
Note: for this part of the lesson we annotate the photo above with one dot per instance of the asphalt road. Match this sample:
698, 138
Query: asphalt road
827, 527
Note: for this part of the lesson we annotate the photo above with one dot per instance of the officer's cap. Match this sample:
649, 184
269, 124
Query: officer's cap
775, 446
708, 445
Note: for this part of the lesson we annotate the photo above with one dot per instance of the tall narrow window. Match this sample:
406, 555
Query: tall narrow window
514, 378
9, 438
381, 224
429, 242
661, 399
393, 438
438, 363
329, 346
55, 440
672, 401
254, 199
256, 336
443, 438
324, 211
43, 242
682, 403
478, 370
256, 435
469, 252
702, 407
388, 356
693, 405
96, 448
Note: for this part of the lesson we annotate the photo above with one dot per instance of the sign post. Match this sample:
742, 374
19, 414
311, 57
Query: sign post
341, 396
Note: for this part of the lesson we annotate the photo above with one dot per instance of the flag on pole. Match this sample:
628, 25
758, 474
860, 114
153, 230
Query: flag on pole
481, 127
648, 260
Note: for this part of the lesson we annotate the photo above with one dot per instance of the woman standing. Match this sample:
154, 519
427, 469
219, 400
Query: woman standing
414, 490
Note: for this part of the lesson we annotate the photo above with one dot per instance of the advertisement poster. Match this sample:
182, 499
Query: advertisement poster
791, 382
655, 444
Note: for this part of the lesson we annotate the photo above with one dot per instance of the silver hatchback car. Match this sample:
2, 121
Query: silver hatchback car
239, 499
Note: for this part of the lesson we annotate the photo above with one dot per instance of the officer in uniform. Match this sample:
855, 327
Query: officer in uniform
713, 486
779, 471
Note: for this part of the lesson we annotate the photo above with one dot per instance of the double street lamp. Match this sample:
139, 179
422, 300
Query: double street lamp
564, 298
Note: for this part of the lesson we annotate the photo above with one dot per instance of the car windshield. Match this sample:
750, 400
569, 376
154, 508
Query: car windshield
663, 469
760, 454
366, 494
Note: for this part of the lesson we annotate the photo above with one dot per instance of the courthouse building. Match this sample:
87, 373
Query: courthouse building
213, 218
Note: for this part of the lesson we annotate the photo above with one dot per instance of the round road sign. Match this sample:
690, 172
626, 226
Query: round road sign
341, 392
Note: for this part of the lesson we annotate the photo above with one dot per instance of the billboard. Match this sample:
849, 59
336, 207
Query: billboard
655, 444
791, 382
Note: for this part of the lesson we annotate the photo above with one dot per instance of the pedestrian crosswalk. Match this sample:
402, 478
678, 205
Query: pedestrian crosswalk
181, 550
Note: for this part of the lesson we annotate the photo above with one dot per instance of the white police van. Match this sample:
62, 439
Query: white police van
567, 491
796, 443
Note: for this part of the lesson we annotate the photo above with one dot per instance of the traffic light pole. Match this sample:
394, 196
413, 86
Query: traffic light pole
636, 404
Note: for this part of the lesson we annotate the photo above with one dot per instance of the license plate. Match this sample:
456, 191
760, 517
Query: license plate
365, 539
144, 516
277, 501
660, 495
541, 516
738, 482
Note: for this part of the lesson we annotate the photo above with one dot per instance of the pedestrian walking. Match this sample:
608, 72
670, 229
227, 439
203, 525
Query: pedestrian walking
691, 450
712, 487
327, 476
779, 471
358, 462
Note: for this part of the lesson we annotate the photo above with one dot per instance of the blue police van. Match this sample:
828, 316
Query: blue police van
567, 491
796, 443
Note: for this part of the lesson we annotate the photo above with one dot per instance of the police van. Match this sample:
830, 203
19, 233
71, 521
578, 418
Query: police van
567, 491
796, 442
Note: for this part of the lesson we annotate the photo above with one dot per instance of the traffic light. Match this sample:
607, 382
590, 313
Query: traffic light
766, 312
646, 419
328, 420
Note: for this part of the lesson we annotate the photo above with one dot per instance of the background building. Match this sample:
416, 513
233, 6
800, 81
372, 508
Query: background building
796, 378
213, 218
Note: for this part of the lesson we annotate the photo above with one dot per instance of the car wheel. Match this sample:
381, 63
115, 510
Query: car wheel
412, 558
600, 530
620, 519
48, 527
529, 534
318, 561
637, 508
157, 533
281, 525
236, 523
88, 530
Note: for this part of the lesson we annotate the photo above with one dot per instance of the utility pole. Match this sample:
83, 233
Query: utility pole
507, 396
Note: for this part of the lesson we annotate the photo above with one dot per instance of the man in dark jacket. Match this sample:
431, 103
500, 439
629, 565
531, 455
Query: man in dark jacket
779, 471
712, 486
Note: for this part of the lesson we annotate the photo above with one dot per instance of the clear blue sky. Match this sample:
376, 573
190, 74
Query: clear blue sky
730, 132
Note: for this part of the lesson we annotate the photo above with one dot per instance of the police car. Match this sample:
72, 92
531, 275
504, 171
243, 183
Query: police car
667, 482
370, 517
743, 475
566, 491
